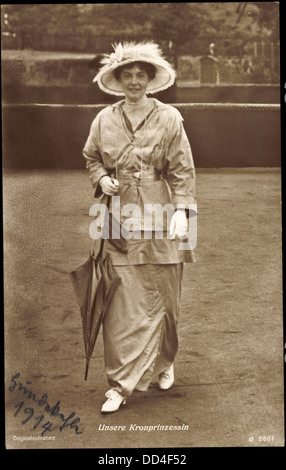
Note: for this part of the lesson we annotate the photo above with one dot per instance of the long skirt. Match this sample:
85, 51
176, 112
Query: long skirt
140, 326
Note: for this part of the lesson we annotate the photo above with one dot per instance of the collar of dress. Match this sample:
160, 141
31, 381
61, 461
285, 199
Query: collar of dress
158, 104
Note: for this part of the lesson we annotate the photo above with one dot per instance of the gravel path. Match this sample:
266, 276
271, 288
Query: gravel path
229, 370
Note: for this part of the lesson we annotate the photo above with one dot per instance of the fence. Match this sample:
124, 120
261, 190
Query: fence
92, 43
225, 135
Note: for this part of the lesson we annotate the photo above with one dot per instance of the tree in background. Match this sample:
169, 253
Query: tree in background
45, 18
180, 23
268, 19
181, 28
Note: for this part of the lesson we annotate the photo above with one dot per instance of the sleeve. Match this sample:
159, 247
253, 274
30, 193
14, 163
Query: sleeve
179, 170
93, 158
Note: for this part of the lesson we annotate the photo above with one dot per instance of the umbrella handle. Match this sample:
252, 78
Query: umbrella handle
107, 206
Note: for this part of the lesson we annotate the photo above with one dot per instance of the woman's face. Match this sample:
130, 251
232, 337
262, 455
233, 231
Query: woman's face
134, 81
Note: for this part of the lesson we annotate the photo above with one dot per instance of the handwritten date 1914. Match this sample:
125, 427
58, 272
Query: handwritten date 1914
30, 412
54, 411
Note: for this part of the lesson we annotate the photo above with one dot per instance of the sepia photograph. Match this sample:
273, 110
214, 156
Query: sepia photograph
142, 228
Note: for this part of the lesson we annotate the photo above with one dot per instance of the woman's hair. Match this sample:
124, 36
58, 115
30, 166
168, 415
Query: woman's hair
149, 69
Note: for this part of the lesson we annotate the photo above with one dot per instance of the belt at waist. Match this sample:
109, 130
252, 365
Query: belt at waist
138, 177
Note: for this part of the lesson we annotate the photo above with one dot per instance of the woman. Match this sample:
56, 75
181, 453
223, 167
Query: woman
143, 142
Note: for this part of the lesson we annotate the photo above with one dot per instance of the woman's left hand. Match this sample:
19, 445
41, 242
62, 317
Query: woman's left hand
179, 225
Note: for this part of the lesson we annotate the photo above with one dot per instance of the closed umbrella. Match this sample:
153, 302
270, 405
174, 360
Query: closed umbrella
95, 283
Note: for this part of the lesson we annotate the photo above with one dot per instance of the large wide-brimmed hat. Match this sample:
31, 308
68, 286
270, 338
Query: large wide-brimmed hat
128, 52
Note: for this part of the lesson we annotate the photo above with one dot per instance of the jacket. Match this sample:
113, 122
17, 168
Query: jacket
154, 165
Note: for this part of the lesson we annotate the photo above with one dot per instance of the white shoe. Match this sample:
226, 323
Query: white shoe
113, 402
166, 378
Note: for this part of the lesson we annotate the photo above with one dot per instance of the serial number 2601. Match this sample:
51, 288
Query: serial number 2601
262, 439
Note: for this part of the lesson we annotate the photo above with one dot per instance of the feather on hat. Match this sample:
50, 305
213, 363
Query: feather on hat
128, 52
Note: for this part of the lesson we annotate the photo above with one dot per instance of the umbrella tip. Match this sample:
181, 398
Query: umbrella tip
86, 369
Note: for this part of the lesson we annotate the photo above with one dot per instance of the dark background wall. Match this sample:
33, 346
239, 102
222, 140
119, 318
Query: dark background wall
221, 135
91, 94
229, 94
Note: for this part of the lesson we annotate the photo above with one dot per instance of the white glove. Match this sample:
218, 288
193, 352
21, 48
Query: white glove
109, 186
179, 225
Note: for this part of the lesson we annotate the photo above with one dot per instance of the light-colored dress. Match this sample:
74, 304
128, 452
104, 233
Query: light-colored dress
154, 165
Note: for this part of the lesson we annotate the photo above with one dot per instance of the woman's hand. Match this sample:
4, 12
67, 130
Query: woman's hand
179, 225
109, 186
